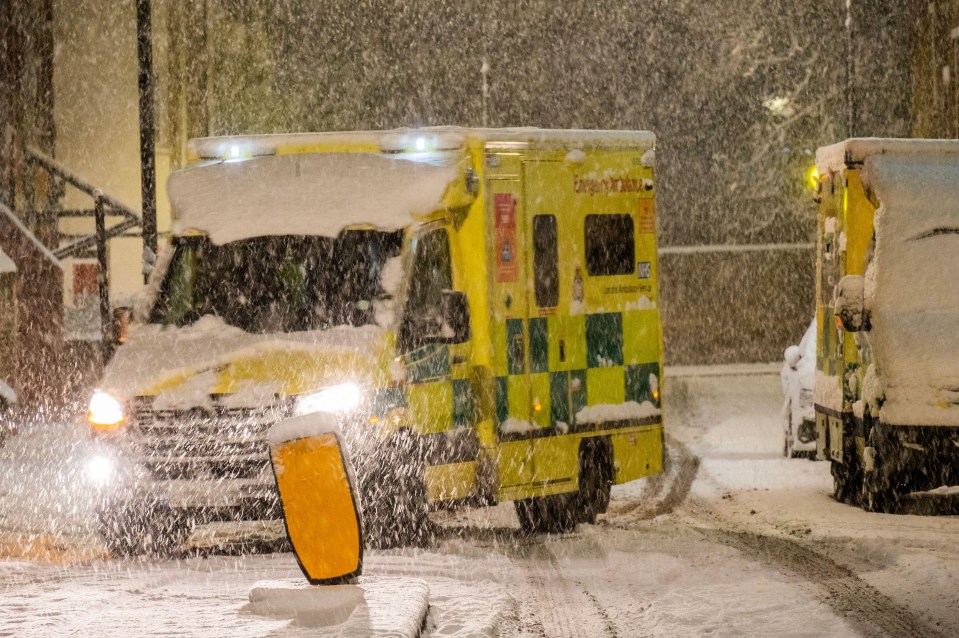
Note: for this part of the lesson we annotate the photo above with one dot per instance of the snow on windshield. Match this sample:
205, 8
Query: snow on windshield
305, 194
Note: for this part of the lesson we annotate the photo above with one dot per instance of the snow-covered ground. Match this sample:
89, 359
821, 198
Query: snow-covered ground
733, 540
912, 559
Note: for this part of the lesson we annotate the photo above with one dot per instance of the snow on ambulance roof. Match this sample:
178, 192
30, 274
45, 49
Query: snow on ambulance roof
442, 138
835, 158
304, 194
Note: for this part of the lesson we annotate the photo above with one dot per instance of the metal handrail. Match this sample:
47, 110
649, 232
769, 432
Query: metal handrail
37, 244
61, 171
107, 204
70, 250
103, 206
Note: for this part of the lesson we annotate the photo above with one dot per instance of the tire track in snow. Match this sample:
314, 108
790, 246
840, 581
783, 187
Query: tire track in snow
555, 606
610, 627
663, 492
866, 608
869, 610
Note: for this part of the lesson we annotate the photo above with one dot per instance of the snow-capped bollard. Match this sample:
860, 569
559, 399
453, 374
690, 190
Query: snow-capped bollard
317, 491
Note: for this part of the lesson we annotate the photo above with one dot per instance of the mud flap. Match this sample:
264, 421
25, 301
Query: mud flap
318, 495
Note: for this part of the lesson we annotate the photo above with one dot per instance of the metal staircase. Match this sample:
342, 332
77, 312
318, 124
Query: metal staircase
111, 219
104, 206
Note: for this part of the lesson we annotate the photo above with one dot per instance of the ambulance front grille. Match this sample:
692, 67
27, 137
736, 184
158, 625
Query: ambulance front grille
222, 443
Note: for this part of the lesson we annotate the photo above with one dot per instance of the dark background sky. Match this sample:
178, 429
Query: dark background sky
703, 75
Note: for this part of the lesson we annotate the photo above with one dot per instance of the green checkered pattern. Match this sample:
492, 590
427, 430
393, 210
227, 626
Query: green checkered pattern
574, 361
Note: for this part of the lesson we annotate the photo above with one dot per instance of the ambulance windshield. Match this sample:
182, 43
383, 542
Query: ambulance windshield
277, 284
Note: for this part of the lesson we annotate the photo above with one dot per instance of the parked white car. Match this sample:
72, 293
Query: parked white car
798, 379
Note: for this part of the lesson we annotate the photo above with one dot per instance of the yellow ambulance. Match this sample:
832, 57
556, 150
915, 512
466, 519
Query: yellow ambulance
479, 308
887, 380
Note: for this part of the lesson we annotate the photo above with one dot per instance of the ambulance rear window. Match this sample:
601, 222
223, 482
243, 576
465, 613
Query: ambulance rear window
545, 261
610, 247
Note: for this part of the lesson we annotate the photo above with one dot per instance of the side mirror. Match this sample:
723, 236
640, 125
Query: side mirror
792, 356
456, 317
849, 303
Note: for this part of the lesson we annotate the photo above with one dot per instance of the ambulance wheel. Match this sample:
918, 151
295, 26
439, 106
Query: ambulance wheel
396, 511
880, 487
556, 514
595, 480
131, 531
847, 476
877, 497
787, 431
847, 484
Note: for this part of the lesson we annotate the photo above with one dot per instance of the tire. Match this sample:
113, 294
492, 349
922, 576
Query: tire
555, 514
787, 431
788, 451
527, 511
876, 497
847, 476
789, 435
595, 480
560, 513
394, 496
880, 491
847, 480
128, 530
842, 490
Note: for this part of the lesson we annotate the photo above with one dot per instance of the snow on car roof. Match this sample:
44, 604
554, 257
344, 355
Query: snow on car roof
305, 194
406, 139
835, 157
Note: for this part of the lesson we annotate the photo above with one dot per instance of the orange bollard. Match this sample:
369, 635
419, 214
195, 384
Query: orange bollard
318, 495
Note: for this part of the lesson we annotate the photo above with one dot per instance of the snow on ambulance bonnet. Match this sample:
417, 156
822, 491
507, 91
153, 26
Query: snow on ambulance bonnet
304, 194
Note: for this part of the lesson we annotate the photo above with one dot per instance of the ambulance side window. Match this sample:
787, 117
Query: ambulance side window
431, 275
610, 245
545, 261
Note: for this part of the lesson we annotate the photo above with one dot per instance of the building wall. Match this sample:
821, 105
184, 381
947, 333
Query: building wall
97, 121
739, 95
42, 373
935, 92
26, 96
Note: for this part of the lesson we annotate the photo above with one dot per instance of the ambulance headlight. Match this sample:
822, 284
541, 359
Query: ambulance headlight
100, 470
337, 399
106, 412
